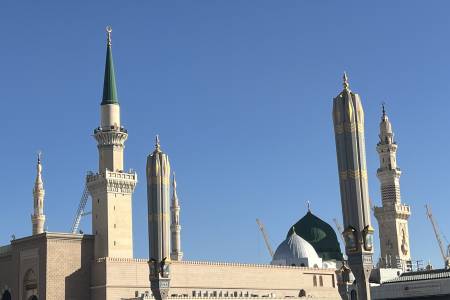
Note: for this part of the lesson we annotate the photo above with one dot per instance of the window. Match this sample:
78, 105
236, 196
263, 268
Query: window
315, 280
320, 280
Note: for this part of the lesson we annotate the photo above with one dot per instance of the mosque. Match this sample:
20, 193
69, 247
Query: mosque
307, 264
101, 266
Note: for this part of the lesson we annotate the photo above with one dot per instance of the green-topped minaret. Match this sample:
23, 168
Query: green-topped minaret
109, 84
111, 187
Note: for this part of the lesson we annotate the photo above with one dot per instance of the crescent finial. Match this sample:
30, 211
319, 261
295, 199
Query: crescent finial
108, 32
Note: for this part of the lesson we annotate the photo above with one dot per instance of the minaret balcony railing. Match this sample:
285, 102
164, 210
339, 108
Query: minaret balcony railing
402, 208
110, 128
129, 176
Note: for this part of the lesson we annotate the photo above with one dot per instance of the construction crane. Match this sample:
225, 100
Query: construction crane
444, 252
265, 236
80, 211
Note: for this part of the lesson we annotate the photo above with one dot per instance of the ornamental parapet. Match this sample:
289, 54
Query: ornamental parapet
119, 182
399, 210
212, 263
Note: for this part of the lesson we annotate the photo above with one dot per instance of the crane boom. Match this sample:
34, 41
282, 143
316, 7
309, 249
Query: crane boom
265, 236
438, 236
80, 211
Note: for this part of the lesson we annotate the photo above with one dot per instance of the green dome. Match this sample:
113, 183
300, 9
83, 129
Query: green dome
320, 235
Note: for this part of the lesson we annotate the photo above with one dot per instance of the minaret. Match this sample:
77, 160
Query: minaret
38, 217
392, 216
158, 198
112, 187
175, 226
348, 118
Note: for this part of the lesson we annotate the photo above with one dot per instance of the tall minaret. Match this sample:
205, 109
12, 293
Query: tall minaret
158, 198
175, 226
111, 188
392, 216
348, 118
38, 217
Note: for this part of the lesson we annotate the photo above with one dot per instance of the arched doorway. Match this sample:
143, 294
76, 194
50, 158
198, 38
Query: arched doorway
6, 295
302, 293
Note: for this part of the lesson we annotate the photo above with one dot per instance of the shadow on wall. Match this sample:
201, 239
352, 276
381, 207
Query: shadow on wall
77, 284
6, 295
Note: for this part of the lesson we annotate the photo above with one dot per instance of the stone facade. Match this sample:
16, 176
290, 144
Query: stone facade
63, 267
128, 278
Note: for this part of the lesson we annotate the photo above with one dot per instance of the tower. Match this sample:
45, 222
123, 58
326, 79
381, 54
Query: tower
392, 216
111, 188
158, 195
348, 119
175, 226
38, 217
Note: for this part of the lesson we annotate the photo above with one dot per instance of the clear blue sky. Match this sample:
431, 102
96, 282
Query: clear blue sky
241, 95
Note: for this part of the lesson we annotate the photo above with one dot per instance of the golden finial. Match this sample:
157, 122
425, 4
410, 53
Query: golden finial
157, 145
108, 32
174, 181
345, 78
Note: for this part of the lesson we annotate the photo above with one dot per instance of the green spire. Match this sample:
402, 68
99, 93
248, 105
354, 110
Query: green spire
109, 85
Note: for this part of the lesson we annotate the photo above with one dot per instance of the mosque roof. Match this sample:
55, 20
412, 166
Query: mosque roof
320, 235
421, 275
293, 249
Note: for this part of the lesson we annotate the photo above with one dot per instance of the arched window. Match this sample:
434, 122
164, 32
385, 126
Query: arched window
353, 295
6, 295
320, 280
315, 280
30, 285
302, 293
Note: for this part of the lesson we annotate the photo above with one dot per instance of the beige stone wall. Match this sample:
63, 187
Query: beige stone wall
68, 267
25, 254
112, 213
6, 274
125, 277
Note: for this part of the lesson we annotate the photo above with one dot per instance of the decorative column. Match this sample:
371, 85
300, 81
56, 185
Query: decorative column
38, 217
175, 227
348, 118
392, 216
158, 195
